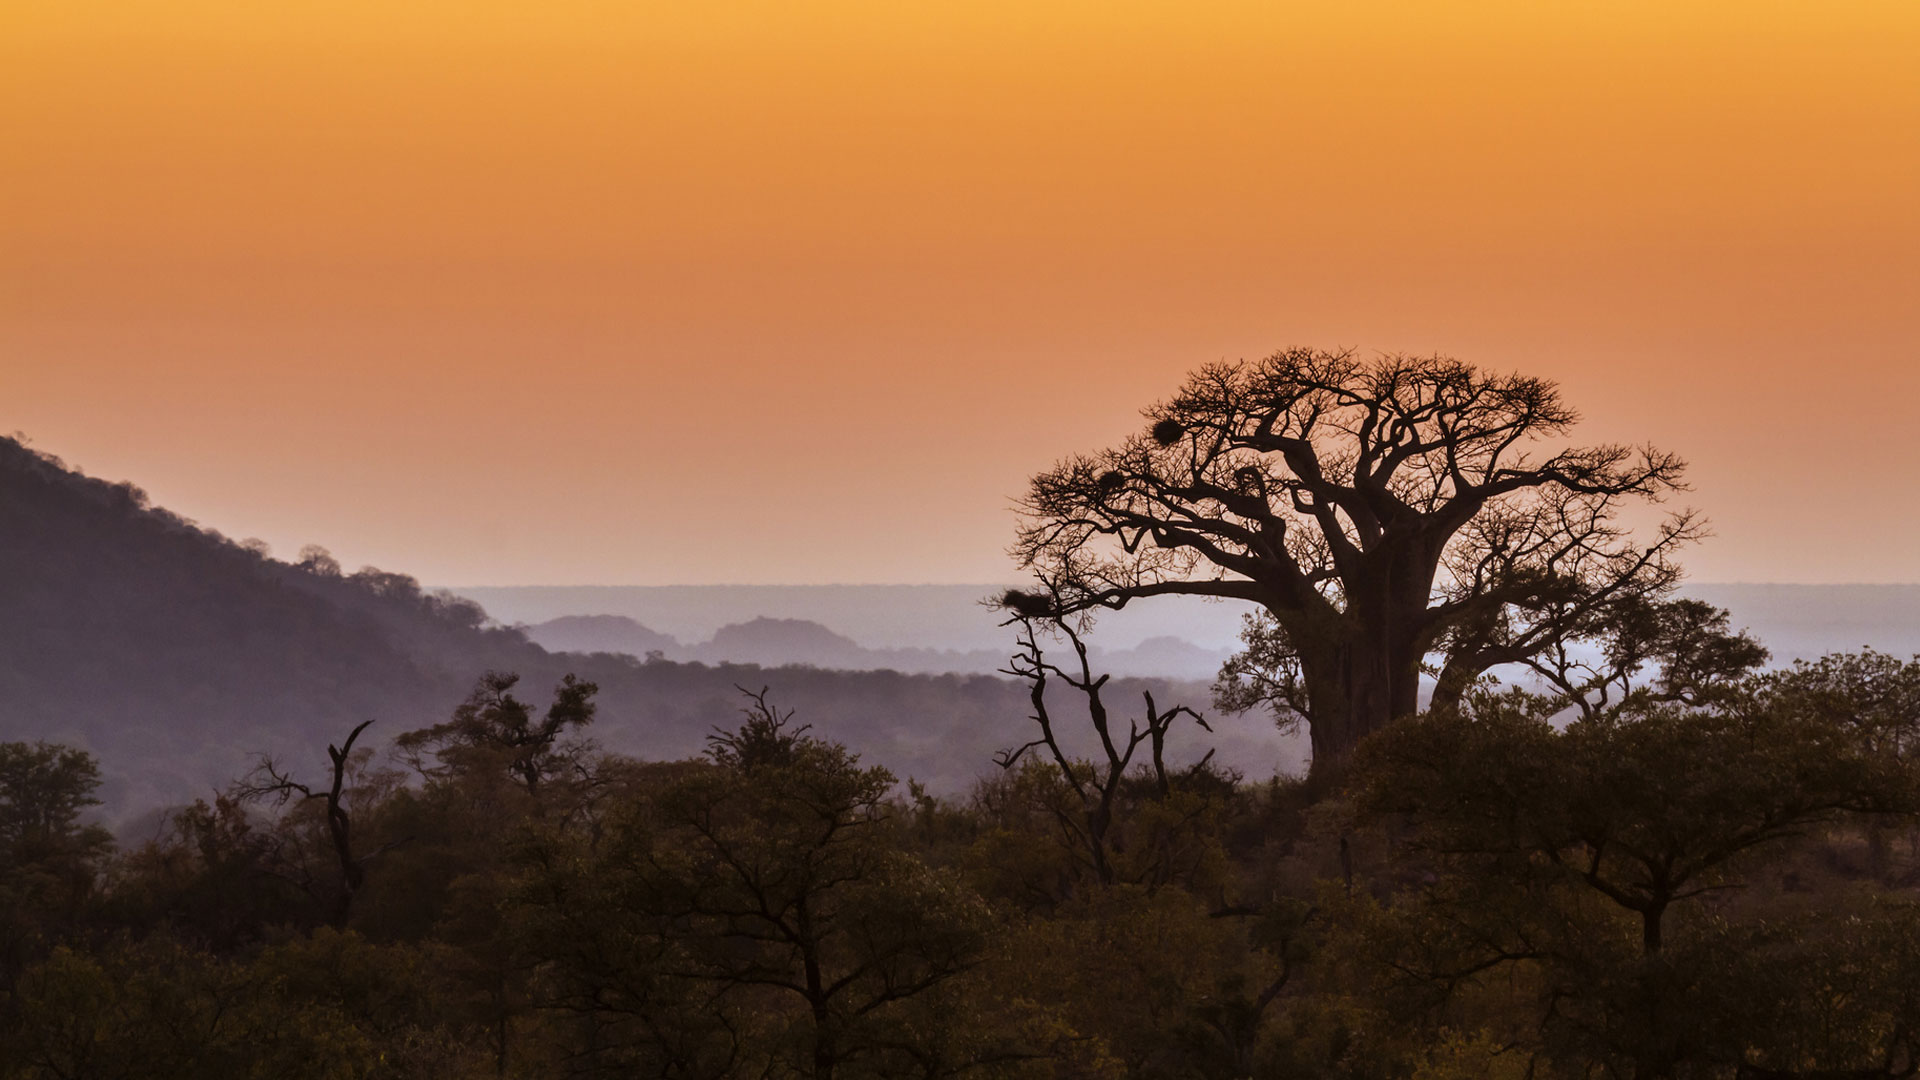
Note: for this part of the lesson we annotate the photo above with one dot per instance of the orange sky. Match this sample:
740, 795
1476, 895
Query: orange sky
801, 292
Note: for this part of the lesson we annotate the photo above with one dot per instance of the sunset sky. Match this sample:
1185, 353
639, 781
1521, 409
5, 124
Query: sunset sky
637, 293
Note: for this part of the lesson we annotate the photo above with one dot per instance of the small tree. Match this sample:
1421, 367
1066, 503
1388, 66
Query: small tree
492, 729
49, 858
44, 788
763, 739
752, 916
1875, 697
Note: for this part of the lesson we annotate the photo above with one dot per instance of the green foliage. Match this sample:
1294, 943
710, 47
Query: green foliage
1034, 852
1873, 695
163, 1011
1593, 892
1704, 885
1163, 985
753, 916
49, 859
214, 878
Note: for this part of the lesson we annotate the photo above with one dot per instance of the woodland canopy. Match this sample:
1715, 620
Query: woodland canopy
1663, 888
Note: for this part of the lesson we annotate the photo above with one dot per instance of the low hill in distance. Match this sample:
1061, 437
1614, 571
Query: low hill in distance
942, 618
175, 655
599, 633
172, 652
945, 627
776, 642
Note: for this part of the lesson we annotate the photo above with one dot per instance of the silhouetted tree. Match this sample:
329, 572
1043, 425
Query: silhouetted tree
752, 917
1648, 652
1599, 860
1096, 785
271, 782
1874, 696
762, 741
49, 858
216, 876
494, 729
1632, 651
1378, 512
44, 788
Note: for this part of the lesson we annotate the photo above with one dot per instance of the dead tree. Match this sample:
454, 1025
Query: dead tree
270, 782
1095, 784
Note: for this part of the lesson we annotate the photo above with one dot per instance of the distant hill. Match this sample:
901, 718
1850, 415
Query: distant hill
600, 633
949, 618
945, 628
175, 654
784, 641
776, 642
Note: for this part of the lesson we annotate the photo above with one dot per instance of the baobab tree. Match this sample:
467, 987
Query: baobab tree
1381, 514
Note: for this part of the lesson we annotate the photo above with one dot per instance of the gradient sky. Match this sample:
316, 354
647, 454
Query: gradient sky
644, 293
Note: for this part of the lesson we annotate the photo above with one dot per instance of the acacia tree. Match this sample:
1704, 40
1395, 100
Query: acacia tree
494, 729
1611, 865
752, 917
1870, 694
1379, 512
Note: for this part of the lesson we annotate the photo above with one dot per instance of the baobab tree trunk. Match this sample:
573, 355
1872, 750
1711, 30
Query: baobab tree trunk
1361, 665
1356, 687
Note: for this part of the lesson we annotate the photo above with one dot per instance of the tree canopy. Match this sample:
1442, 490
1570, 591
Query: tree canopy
1709, 879
1377, 512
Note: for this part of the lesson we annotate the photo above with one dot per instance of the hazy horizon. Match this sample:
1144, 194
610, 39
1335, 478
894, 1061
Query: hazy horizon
1795, 620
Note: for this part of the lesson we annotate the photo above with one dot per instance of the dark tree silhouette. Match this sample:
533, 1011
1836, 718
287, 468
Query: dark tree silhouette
1379, 513
50, 859
1095, 785
270, 781
754, 918
494, 729
762, 741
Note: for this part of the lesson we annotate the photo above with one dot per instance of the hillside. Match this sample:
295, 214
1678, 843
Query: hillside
137, 634
175, 655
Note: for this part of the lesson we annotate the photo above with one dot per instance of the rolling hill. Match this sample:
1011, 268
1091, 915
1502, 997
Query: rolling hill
176, 655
